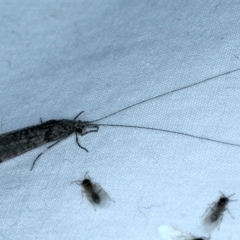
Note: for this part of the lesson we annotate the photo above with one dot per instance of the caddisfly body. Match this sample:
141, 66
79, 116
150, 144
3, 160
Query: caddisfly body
17, 142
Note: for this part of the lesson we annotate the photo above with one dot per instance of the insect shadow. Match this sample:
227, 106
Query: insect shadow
17, 142
95, 194
214, 213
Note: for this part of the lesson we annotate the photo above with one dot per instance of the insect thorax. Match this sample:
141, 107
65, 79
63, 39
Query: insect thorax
87, 183
223, 202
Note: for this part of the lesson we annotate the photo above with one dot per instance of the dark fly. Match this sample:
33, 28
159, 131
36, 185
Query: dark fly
20, 141
215, 212
95, 194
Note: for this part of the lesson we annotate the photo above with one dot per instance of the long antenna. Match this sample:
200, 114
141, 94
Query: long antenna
170, 131
167, 93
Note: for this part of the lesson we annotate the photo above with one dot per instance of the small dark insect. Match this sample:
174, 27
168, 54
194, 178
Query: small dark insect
15, 143
95, 194
215, 212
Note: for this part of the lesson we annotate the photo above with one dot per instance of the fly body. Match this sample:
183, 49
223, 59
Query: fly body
216, 211
91, 190
95, 194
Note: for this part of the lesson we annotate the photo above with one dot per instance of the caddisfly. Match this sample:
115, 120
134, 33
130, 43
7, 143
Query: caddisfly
20, 141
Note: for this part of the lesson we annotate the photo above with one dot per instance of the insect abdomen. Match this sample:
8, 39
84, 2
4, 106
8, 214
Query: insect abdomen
95, 198
17, 142
214, 217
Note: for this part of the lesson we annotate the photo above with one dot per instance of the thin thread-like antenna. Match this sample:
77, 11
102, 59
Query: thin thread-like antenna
167, 93
170, 131
78, 115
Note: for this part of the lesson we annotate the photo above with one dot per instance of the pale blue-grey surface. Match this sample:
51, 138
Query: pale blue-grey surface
60, 57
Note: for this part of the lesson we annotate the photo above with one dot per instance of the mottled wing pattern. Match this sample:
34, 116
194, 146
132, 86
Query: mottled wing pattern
20, 141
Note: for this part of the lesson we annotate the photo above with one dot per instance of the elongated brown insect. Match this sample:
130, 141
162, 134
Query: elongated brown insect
20, 141
95, 194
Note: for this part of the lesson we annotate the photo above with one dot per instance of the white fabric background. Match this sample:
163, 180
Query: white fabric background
58, 58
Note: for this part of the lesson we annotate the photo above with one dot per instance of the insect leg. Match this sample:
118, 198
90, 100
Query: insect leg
93, 130
228, 197
86, 175
82, 193
219, 221
204, 213
78, 182
36, 160
79, 143
207, 210
44, 152
230, 213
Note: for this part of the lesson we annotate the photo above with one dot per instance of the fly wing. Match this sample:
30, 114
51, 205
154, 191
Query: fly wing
105, 199
170, 233
208, 223
20, 141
